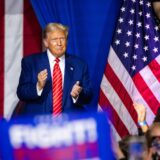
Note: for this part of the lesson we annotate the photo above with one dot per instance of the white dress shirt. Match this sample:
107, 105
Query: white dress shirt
52, 62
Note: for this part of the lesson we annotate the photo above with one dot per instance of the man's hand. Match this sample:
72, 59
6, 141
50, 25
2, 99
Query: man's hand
76, 90
141, 111
42, 76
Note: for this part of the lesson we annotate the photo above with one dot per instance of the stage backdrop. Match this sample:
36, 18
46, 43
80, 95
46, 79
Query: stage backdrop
132, 69
91, 24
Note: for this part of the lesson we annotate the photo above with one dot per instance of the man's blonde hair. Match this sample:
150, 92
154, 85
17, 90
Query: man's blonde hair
50, 27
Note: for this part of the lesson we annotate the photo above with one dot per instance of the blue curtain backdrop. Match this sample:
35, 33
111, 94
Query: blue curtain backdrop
91, 25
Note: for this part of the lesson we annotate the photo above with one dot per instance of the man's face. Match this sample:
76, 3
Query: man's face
56, 42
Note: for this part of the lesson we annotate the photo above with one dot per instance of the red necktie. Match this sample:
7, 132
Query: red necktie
57, 89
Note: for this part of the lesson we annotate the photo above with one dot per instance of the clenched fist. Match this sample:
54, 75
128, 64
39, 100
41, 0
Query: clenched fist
76, 90
42, 76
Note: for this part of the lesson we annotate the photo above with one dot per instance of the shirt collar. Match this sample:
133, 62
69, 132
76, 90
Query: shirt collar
52, 57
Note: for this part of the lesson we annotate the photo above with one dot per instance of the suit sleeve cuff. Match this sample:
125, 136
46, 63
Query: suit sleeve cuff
75, 99
39, 92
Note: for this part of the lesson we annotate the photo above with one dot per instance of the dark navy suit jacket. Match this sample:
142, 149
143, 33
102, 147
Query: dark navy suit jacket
75, 70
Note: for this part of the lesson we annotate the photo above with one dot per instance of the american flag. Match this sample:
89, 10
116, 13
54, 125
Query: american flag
132, 73
20, 36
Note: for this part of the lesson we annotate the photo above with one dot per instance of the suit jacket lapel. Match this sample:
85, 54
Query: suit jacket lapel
44, 63
68, 76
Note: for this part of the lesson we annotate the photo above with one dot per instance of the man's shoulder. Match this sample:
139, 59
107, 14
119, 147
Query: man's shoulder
35, 56
74, 59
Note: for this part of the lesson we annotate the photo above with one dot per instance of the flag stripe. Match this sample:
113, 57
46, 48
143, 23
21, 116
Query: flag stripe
121, 91
128, 83
13, 52
155, 67
114, 132
2, 56
151, 82
20, 35
146, 92
32, 35
158, 59
118, 105
116, 121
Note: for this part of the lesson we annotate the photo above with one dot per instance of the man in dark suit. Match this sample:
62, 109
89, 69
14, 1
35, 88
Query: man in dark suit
36, 83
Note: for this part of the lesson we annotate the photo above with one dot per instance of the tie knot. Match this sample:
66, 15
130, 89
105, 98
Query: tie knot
57, 60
